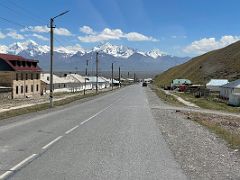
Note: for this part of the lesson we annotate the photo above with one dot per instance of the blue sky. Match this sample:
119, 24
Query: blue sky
177, 27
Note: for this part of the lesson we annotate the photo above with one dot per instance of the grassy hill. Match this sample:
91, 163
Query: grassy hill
223, 63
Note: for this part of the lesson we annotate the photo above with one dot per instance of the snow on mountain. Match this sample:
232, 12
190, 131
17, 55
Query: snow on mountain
114, 50
32, 49
155, 53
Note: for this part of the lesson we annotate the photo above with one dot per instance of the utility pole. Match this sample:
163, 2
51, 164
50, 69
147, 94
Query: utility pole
128, 74
112, 76
86, 73
96, 72
51, 62
119, 76
51, 57
134, 77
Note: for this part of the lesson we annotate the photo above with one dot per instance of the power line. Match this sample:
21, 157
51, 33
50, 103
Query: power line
12, 22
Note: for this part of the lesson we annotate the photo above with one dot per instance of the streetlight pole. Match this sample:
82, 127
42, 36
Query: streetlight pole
96, 72
51, 56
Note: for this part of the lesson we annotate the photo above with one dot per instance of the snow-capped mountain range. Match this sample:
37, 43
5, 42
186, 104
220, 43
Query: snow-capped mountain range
33, 49
70, 57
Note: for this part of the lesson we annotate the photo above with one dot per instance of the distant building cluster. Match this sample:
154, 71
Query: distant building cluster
23, 78
225, 90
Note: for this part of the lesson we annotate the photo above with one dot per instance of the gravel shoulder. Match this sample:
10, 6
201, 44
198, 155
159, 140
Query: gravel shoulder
201, 153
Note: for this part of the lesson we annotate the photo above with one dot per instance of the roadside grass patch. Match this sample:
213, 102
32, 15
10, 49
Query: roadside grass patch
165, 97
209, 103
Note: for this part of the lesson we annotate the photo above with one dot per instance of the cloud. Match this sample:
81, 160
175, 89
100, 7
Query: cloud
3, 49
208, 44
134, 36
15, 35
2, 36
112, 34
87, 30
45, 29
40, 37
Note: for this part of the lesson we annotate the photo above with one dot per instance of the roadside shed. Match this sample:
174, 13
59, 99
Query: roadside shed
230, 88
179, 82
234, 99
215, 84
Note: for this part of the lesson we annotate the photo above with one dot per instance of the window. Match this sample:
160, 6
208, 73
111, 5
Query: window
26, 88
31, 88
37, 88
64, 85
16, 89
21, 76
48, 78
16, 76
21, 89
26, 76
37, 76
31, 76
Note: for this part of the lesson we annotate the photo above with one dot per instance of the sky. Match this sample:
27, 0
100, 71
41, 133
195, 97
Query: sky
176, 27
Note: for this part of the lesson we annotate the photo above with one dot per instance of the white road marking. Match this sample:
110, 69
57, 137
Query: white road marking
52, 142
70, 130
99, 112
18, 166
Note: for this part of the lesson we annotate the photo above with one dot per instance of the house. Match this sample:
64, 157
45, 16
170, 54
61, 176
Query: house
60, 84
178, 82
230, 88
79, 81
21, 75
107, 82
215, 84
115, 82
148, 80
101, 82
234, 99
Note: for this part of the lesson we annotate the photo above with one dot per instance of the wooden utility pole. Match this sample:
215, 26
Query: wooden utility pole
112, 76
119, 76
86, 73
96, 72
51, 62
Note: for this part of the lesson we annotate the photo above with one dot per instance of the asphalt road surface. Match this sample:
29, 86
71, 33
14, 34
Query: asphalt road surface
110, 137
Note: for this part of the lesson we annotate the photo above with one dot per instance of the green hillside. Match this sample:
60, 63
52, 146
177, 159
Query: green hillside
219, 64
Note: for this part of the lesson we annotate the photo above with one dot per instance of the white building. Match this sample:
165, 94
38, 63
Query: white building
215, 84
234, 99
79, 82
102, 83
230, 88
60, 84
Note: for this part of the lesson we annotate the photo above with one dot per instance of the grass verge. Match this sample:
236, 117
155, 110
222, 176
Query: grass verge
44, 106
165, 97
209, 103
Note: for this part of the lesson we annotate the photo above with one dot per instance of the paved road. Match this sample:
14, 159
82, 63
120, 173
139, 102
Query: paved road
111, 137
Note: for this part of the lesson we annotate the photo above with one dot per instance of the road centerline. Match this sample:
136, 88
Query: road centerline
72, 129
52, 142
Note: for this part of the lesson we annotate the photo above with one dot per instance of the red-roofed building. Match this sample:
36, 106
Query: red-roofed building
21, 74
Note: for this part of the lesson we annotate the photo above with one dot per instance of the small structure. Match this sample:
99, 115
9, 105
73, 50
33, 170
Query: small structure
148, 80
234, 99
79, 82
178, 82
21, 75
5, 92
101, 82
230, 88
60, 84
214, 84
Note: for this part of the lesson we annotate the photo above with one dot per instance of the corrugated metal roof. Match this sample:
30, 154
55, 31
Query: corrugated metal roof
233, 84
217, 82
93, 79
77, 77
45, 77
9, 59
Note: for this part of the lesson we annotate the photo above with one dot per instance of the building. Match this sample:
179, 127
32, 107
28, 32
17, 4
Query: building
101, 82
79, 81
230, 88
215, 84
60, 84
21, 75
234, 99
178, 82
